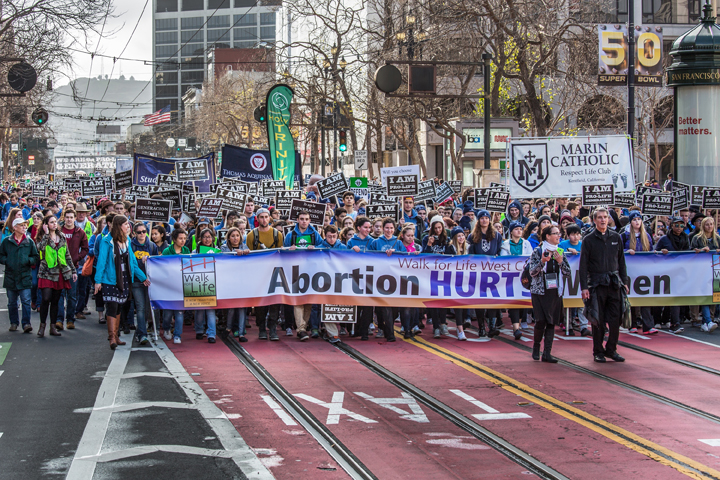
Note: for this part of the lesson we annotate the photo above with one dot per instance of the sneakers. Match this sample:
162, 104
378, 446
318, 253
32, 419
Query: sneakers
402, 330
177, 340
599, 358
274, 336
144, 340
211, 339
461, 336
676, 329
288, 332
27, 328
167, 336
708, 327
242, 339
444, 329
695, 323
379, 334
80, 316
524, 325
633, 330
408, 336
517, 334
652, 331
13, 327
236, 334
391, 339
302, 336
199, 336
416, 331
343, 331
665, 325
616, 357
335, 339
314, 333
262, 334
586, 333
436, 333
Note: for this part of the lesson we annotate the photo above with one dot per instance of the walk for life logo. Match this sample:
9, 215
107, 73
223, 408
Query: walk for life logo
199, 287
716, 278
530, 165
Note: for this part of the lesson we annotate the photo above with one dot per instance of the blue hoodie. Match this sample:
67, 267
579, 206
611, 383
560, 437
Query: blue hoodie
337, 246
301, 237
356, 241
413, 218
381, 244
6, 210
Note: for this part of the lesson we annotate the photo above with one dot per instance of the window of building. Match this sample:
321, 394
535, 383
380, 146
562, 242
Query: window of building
193, 63
246, 19
189, 5
163, 38
468, 176
166, 78
166, 91
193, 49
218, 35
165, 50
168, 64
267, 33
192, 36
166, 6
165, 24
267, 18
218, 21
245, 3
159, 104
185, 88
192, 23
244, 44
245, 33
193, 77
213, 4
670, 11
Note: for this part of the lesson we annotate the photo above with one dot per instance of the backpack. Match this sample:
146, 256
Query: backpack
293, 238
256, 238
525, 277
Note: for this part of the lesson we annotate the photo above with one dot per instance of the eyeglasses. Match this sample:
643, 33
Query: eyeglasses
554, 233
141, 232
678, 224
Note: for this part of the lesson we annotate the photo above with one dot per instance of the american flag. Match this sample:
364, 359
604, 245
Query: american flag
161, 116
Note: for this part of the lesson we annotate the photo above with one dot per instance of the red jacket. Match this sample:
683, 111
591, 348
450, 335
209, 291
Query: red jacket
77, 245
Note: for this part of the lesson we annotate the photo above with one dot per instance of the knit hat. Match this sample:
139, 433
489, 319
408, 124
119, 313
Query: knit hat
420, 207
634, 214
544, 217
455, 231
465, 223
262, 210
514, 225
436, 219
566, 217
482, 213
467, 209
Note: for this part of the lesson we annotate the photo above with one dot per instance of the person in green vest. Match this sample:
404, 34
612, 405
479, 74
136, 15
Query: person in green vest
206, 244
177, 247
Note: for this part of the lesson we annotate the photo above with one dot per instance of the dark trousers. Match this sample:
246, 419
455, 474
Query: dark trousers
437, 315
646, 319
271, 313
609, 310
386, 321
547, 310
50, 302
409, 317
365, 318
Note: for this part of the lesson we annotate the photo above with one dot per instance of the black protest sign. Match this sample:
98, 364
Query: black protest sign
71, 184
480, 196
214, 186
382, 199
696, 194
252, 189
192, 170
402, 185
657, 203
711, 198
682, 197
501, 186
497, 201
39, 189
152, 210
443, 192
332, 185
287, 230
231, 200
117, 197
641, 190
210, 207
338, 313
140, 190
235, 187
284, 198
316, 211
130, 197
123, 180
92, 187
173, 195
381, 211
596, 195
624, 200
426, 191
167, 181
269, 187
456, 185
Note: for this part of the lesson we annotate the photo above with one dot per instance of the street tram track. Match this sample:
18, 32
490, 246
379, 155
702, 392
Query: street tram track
670, 358
337, 450
494, 441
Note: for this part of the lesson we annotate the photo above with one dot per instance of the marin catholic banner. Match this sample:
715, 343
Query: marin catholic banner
280, 140
250, 165
319, 276
147, 168
560, 166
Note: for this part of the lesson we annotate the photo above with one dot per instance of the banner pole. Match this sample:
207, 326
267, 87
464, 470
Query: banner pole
152, 313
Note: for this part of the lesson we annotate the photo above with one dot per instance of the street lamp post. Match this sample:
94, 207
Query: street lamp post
410, 40
334, 73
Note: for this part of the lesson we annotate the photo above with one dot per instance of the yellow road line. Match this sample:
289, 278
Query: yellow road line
596, 424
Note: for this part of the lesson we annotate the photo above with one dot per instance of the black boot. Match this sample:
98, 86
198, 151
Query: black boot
536, 351
481, 328
493, 331
549, 337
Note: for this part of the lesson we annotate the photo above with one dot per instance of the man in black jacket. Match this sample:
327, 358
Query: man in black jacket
602, 275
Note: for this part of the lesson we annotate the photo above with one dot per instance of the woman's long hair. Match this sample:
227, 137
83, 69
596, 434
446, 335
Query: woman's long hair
40, 234
227, 237
716, 237
116, 231
461, 250
529, 228
477, 232
643, 238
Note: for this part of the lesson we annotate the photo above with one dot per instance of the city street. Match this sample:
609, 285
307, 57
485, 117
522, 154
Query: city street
422, 408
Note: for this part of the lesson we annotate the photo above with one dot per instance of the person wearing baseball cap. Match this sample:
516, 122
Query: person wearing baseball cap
18, 252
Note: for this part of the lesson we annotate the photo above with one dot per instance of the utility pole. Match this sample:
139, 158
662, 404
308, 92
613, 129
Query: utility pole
487, 58
631, 73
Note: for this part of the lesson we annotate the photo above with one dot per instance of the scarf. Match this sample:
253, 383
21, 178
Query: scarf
679, 242
118, 266
553, 248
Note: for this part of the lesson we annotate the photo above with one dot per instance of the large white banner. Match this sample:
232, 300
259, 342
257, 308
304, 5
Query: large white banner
560, 166
87, 164
375, 279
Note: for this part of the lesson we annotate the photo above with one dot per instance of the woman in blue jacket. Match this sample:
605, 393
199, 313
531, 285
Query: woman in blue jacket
116, 269
484, 240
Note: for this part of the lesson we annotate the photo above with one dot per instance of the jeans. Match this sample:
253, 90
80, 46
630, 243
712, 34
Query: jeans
24, 296
35, 295
707, 316
236, 319
83, 293
179, 319
140, 300
315, 317
200, 316
71, 295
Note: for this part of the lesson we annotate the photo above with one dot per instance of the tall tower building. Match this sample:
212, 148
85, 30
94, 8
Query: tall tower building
185, 31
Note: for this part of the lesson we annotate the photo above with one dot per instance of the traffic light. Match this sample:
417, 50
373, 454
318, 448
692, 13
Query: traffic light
343, 140
261, 113
24, 147
40, 116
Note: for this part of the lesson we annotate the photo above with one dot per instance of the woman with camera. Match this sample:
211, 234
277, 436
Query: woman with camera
547, 265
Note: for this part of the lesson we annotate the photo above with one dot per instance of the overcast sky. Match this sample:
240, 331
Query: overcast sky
119, 29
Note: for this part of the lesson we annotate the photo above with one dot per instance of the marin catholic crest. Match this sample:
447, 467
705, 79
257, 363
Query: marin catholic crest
530, 165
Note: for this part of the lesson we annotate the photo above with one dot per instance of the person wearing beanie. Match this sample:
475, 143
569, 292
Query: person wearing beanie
543, 222
485, 241
514, 214
438, 243
516, 245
